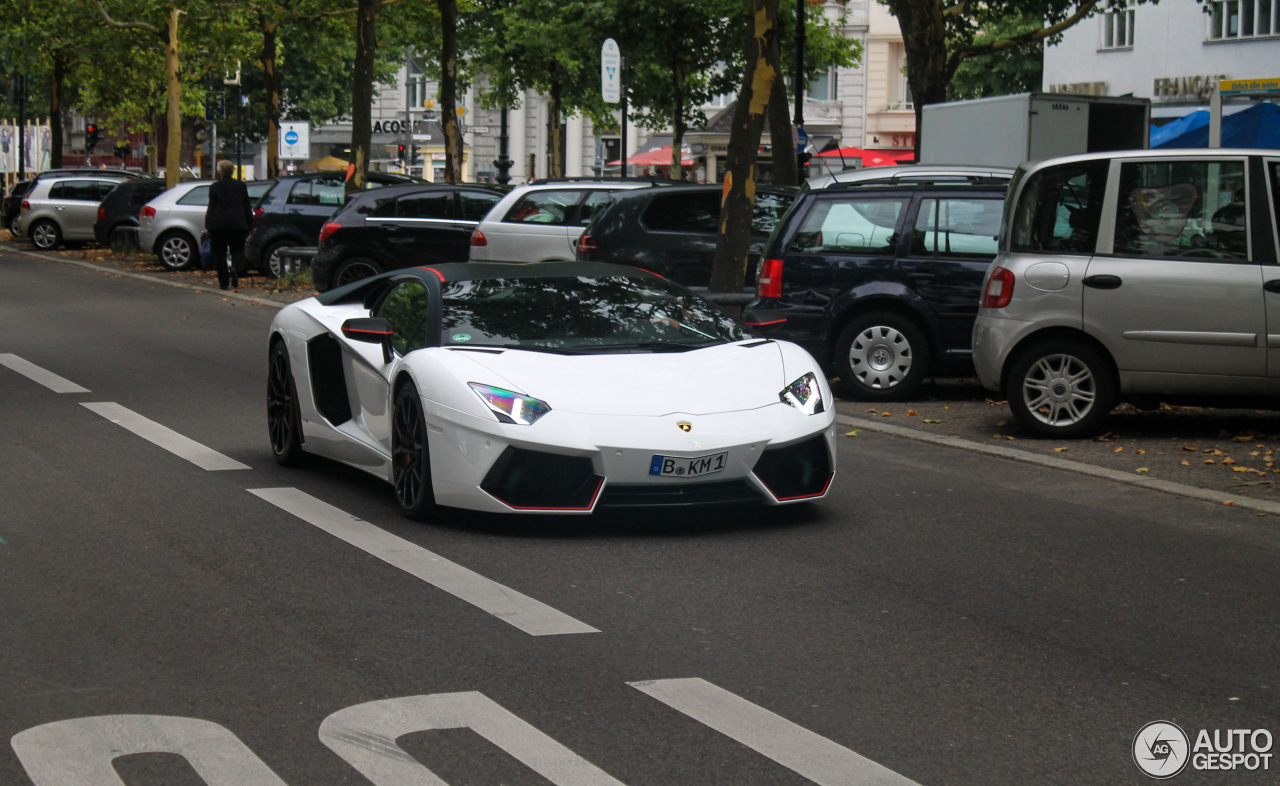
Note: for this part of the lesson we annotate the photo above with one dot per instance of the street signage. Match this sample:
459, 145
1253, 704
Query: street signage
801, 138
1254, 86
295, 139
611, 72
422, 137
482, 130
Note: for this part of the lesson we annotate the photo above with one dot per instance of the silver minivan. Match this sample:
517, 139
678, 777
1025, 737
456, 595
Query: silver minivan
1147, 276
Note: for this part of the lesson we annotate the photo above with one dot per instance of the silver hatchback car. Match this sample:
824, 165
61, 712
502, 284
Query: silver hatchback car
170, 225
1145, 275
62, 209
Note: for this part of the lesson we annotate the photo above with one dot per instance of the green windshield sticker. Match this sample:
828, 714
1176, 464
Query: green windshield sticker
461, 337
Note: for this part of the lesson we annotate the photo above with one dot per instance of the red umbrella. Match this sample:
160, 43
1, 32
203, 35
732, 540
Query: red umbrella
659, 157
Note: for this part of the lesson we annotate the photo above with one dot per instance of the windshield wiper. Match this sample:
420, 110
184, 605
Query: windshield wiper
541, 348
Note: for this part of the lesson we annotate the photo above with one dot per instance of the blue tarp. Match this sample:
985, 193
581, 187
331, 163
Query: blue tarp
1258, 126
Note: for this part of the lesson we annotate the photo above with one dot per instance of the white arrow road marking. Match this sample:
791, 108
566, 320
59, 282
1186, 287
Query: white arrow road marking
811, 755
525, 613
79, 752
164, 437
36, 374
365, 736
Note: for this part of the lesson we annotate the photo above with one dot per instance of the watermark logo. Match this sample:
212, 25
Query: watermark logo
1160, 749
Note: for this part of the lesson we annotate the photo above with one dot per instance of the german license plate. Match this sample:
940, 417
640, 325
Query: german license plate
681, 467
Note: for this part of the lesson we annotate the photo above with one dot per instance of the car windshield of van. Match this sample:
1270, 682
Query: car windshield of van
582, 314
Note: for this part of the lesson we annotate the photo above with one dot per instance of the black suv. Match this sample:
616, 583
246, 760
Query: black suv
293, 210
881, 283
119, 208
399, 226
672, 231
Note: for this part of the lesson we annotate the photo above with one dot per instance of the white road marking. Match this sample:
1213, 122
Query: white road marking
79, 752
810, 755
525, 613
365, 736
164, 437
36, 374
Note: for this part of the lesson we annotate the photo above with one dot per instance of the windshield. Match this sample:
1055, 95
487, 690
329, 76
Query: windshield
582, 313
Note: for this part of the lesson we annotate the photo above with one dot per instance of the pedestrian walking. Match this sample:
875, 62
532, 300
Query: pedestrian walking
228, 221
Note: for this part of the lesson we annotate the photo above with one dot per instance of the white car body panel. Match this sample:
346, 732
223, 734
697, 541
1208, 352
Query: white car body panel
618, 410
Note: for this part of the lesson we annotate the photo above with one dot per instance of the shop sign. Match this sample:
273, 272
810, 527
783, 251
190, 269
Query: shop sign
1175, 87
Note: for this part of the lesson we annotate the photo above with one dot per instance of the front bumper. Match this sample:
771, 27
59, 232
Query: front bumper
572, 463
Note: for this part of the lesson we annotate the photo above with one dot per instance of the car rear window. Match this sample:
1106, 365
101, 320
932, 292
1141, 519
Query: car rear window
196, 196
77, 191
428, 204
477, 204
544, 207
1179, 208
1059, 208
850, 225
696, 212
956, 227
143, 193
318, 191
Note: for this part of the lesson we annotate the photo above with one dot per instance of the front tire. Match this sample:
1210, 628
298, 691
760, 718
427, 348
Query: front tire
176, 251
45, 235
284, 421
1061, 388
355, 269
410, 455
881, 356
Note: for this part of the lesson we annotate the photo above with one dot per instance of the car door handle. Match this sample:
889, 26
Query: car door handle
1102, 282
1272, 286
390, 228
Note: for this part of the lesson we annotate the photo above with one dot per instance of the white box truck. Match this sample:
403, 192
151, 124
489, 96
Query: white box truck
1007, 130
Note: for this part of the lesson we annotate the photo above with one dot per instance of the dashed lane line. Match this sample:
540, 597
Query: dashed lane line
164, 437
804, 752
525, 613
36, 374
1154, 484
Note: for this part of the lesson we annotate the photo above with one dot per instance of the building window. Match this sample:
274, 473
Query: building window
1232, 19
899, 90
823, 87
1117, 29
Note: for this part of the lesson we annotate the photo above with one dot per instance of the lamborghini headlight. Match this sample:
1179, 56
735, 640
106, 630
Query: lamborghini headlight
804, 394
511, 407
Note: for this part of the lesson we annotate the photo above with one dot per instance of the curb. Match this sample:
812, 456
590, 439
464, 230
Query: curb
261, 301
1049, 462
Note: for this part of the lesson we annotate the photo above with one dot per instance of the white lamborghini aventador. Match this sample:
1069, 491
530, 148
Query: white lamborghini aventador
558, 387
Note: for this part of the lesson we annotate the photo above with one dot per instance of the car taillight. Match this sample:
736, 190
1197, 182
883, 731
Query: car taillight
26, 205
477, 239
769, 283
147, 212
258, 212
328, 229
586, 245
999, 289
102, 214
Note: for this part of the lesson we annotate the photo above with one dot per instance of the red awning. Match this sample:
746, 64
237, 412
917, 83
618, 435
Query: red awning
659, 157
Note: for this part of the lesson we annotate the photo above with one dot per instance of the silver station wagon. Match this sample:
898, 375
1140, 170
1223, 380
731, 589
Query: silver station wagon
1144, 276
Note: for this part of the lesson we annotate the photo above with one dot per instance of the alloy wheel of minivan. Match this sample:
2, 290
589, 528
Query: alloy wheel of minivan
881, 356
1060, 388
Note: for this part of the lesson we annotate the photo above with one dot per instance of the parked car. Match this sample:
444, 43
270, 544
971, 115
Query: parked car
294, 209
911, 173
673, 231
58, 210
497, 387
120, 207
1146, 276
170, 225
13, 203
880, 282
541, 222
398, 227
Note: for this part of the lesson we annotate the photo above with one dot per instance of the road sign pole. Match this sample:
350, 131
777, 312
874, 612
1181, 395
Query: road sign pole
623, 143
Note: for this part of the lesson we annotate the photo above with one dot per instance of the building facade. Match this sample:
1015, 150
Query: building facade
1172, 52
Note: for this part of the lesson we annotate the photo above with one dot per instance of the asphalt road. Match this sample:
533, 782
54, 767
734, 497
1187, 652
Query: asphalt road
943, 617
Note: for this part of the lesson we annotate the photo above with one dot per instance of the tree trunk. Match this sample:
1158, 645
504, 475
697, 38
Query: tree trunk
555, 130
56, 86
173, 150
786, 170
362, 94
677, 121
271, 80
449, 91
728, 271
924, 35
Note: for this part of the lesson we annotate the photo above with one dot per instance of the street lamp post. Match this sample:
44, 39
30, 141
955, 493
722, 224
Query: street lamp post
801, 160
504, 162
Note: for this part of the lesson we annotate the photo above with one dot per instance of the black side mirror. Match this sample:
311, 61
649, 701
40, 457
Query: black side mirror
373, 330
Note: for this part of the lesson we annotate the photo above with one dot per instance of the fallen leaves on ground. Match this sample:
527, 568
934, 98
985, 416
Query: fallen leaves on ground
1142, 470
1118, 450
853, 433
911, 413
1061, 450
1186, 463
933, 421
1210, 461
1228, 461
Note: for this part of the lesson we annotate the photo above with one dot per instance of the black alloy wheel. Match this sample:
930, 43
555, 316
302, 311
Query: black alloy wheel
283, 420
355, 269
273, 265
410, 457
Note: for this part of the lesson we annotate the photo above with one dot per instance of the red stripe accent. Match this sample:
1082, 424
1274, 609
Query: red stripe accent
590, 505
433, 270
370, 332
757, 324
798, 496
650, 272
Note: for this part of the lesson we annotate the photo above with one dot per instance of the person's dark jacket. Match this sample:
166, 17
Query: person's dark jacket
229, 207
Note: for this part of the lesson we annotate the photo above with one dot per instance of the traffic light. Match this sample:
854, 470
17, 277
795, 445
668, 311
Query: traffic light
402, 152
91, 136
